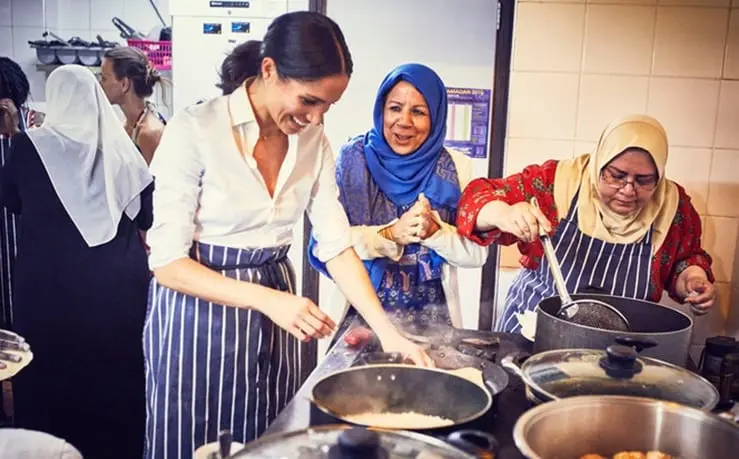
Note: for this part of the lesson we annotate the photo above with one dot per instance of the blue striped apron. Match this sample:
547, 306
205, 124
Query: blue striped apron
9, 226
587, 262
210, 367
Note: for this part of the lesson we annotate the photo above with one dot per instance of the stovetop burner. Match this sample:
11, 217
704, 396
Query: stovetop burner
450, 348
445, 356
445, 359
475, 351
378, 358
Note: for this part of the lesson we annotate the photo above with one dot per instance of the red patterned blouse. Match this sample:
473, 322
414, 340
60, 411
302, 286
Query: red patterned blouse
681, 248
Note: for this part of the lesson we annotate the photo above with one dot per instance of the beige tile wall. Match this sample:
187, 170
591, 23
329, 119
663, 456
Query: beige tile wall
579, 64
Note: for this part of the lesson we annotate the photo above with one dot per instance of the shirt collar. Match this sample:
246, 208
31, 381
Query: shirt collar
240, 107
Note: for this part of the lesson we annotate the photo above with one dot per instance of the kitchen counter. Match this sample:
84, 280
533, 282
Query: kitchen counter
511, 403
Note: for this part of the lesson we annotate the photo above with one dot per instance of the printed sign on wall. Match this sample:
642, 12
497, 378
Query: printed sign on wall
468, 119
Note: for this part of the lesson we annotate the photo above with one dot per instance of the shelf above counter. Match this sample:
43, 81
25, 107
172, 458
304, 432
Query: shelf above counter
48, 68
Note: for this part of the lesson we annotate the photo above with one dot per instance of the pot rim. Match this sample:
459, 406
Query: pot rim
530, 417
690, 325
526, 367
485, 390
427, 439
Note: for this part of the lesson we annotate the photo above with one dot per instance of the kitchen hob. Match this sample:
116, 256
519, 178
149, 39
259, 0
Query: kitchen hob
450, 348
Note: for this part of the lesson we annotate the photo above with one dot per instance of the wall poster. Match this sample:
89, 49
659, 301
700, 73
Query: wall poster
468, 120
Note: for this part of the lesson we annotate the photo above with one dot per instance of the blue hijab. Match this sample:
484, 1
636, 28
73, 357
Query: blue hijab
401, 178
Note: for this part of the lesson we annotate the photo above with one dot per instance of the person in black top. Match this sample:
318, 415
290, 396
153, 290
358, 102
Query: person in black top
80, 288
14, 117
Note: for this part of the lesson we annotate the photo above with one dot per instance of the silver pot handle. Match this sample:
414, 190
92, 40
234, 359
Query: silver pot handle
481, 444
729, 416
225, 438
510, 364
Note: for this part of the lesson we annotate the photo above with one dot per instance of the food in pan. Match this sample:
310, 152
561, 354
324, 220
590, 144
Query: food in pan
405, 420
632, 455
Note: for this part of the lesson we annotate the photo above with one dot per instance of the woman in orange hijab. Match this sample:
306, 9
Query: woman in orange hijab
617, 223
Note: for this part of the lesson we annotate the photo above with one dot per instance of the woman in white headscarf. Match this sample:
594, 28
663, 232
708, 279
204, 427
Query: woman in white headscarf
81, 281
618, 224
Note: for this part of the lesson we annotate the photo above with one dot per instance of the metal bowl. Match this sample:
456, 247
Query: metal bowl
90, 57
46, 55
605, 425
67, 55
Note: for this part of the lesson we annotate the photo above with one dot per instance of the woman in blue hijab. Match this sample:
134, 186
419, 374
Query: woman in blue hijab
400, 188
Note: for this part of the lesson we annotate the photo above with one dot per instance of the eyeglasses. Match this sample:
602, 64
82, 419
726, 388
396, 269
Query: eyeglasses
617, 179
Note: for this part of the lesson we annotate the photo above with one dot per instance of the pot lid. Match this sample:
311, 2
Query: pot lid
345, 442
617, 371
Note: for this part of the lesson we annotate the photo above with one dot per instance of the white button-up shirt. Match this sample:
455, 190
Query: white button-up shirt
206, 191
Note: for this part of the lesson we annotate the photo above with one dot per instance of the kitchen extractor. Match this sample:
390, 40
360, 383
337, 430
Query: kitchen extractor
205, 31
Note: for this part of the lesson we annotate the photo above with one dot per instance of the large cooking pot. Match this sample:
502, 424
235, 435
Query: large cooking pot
346, 442
394, 388
605, 425
669, 328
564, 373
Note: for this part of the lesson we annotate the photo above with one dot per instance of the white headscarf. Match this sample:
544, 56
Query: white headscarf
94, 167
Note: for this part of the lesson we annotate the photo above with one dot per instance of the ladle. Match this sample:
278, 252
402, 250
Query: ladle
588, 312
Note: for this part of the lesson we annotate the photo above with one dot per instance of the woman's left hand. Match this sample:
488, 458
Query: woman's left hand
429, 226
8, 117
699, 292
37, 119
142, 235
395, 342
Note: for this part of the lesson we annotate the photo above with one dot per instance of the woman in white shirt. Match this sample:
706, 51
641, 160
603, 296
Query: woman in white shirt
234, 174
400, 187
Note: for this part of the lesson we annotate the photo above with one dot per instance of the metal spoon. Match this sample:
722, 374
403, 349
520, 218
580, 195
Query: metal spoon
588, 312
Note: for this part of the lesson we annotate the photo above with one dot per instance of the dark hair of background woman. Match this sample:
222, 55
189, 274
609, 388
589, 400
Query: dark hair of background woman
305, 46
133, 64
13, 82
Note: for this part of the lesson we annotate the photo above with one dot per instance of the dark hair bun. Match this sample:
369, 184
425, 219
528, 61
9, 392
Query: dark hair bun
152, 77
242, 63
133, 64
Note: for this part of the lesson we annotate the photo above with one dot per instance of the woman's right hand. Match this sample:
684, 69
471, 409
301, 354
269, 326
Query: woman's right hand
523, 221
300, 317
411, 225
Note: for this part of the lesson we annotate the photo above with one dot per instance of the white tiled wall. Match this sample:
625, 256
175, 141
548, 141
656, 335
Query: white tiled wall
577, 64
24, 20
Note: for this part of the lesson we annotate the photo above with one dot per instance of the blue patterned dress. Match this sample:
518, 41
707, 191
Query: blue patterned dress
414, 282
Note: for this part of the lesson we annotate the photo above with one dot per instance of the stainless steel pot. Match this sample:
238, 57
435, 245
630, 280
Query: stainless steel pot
345, 442
619, 370
606, 425
669, 328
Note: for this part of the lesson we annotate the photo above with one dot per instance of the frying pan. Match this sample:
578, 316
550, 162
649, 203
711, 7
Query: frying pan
398, 388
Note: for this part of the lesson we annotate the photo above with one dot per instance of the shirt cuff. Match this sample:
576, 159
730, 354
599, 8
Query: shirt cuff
385, 247
370, 244
167, 246
326, 251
